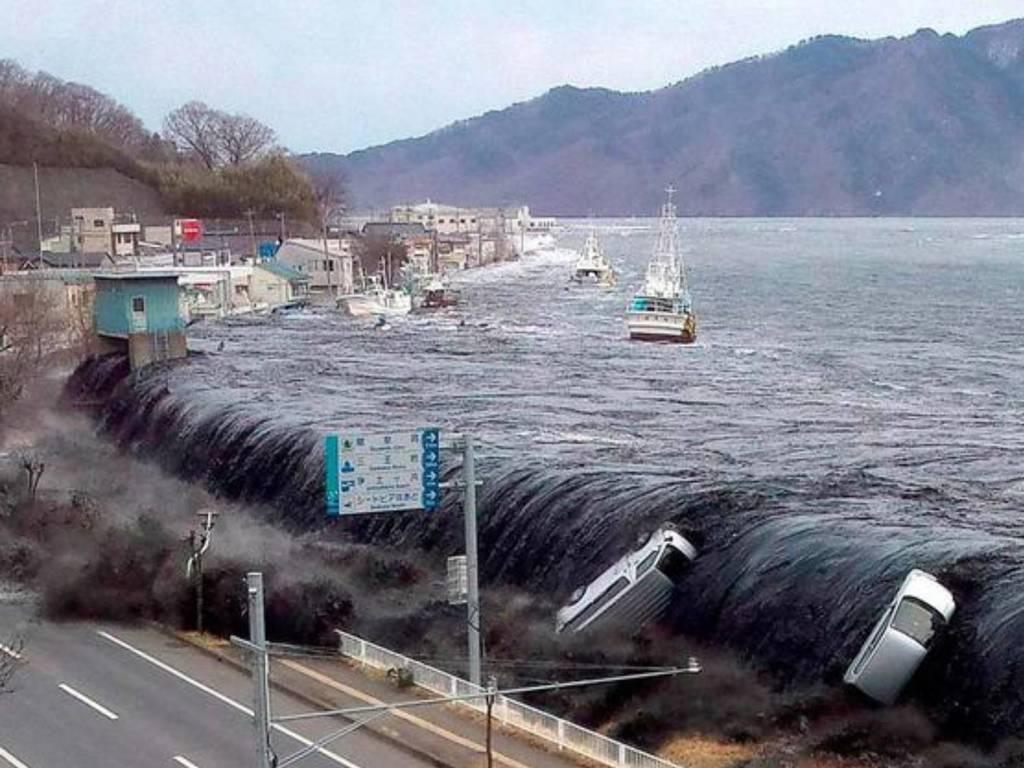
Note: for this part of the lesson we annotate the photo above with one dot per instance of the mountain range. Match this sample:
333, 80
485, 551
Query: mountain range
835, 126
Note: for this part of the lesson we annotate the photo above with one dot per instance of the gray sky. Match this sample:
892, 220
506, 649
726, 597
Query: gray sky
338, 75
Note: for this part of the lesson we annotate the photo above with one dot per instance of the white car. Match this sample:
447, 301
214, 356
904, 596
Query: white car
635, 590
901, 638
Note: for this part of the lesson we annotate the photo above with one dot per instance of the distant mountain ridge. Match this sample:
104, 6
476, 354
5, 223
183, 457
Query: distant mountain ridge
921, 125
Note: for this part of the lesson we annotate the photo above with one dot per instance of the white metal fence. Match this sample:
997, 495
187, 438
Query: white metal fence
561, 733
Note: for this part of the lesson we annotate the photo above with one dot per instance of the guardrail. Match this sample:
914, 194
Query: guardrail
561, 733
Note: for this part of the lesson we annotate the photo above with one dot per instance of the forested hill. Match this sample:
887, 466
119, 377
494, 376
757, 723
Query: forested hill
923, 125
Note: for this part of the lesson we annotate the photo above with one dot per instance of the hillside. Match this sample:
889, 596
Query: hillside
923, 125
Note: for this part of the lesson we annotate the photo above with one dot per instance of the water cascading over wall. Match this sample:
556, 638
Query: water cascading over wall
781, 577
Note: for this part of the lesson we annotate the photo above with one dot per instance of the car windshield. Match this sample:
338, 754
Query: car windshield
916, 620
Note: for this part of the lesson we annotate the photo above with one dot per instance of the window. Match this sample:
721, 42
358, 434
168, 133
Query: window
605, 599
916, 620
138, 304
98, 223
646, 563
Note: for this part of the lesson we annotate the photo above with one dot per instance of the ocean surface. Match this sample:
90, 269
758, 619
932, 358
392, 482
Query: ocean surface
852, 409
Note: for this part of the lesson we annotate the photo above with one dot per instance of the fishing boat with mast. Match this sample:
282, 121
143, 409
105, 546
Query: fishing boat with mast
593, 265
376, 298
661, 309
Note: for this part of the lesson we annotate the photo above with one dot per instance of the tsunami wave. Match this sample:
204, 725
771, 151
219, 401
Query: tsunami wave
792, 571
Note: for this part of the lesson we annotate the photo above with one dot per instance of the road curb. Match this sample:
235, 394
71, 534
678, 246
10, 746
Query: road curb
312, 701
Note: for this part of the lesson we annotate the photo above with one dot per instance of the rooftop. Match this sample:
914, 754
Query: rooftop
283, 270
149, 275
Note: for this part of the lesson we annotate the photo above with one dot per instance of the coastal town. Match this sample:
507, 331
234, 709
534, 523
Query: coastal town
224, 268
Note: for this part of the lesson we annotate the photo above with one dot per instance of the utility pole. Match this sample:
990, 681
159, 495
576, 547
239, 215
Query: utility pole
472, 584
260, 669
328, 262
39, 208
280, 215
252, 234
194, 569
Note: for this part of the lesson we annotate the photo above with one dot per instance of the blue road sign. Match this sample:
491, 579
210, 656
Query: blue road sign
383, 472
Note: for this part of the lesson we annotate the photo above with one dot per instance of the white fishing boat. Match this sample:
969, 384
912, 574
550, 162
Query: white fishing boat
661, 309
593, 265
376, 299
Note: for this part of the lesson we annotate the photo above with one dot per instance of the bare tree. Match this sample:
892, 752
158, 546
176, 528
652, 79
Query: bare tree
217, 138
34, 466
194, 128
10, 660
31, 327
242, 138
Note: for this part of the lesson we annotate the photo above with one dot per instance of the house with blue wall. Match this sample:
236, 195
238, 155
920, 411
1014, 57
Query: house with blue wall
140, 314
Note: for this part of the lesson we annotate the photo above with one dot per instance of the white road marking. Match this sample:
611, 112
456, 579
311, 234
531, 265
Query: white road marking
10, 652
182, 761
11, 759
222, 698
87, 701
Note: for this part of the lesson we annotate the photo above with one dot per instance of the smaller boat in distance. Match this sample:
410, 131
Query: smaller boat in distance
661, 309
593, 265
435, 292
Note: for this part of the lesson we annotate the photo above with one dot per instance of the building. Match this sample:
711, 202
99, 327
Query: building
139, 313
274, 284
99, 230
332, 270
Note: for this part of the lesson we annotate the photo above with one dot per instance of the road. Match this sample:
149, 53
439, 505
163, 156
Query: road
96, 696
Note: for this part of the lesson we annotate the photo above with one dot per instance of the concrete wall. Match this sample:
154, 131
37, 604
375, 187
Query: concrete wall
147, 348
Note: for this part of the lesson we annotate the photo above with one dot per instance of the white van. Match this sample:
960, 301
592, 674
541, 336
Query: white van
901, 638
635, 590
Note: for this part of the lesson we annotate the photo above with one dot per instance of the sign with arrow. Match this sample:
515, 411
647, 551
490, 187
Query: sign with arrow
388, 472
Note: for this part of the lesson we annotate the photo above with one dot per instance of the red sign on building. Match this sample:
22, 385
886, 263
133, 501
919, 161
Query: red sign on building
189, 230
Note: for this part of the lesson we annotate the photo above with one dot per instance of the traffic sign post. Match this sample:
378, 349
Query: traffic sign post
397, 471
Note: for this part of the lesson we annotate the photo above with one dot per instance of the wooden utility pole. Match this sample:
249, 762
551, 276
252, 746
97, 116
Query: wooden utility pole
39, 207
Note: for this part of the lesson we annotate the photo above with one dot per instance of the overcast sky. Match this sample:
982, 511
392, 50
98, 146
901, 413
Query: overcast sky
338, 75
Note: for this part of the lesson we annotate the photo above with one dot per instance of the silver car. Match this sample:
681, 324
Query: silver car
901, 638
635, 590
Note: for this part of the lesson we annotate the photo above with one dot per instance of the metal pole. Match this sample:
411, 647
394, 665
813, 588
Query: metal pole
260, 673
492, 686
199, 592
472, 586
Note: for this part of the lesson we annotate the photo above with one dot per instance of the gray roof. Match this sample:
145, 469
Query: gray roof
70, 260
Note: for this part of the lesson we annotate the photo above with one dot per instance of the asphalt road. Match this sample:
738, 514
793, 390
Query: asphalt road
92, 696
